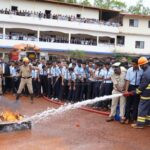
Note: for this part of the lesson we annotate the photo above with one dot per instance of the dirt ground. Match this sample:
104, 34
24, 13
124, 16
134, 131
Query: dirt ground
74, 130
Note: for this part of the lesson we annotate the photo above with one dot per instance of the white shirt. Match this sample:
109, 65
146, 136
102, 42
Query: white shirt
107, 74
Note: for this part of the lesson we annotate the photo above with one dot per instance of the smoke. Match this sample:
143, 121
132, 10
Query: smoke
7, 104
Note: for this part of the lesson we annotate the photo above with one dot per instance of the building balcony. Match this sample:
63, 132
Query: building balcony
31, 22
51, 46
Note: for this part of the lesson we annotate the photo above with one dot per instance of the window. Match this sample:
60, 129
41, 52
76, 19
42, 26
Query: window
120, 40
139, 44
78, 16
133, 23
14, 8
149, 24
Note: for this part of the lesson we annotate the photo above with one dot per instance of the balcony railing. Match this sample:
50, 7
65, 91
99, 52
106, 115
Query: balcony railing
48, 46
22, 21
57, 17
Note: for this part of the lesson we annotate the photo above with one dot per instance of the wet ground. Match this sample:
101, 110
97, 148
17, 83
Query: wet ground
74, 130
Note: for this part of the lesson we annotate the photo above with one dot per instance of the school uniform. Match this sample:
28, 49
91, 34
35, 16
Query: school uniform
79, 71
106, 86
72, 86
64, 84
43, 78
134, 77
35, 83
56, 74
50, 89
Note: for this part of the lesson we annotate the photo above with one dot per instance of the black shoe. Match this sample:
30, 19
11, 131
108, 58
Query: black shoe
110, 119
31, 98
17, 97
122, 121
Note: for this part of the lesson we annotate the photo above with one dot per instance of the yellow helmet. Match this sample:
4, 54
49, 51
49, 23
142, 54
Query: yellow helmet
25, 59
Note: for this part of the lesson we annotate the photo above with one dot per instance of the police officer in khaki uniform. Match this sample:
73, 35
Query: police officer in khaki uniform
26, 79
1, 76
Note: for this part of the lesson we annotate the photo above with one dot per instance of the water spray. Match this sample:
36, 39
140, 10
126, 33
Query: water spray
66, 107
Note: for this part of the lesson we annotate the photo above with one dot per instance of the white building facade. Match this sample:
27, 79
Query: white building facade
60, 27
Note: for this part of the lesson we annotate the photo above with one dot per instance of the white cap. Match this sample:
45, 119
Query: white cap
117, 64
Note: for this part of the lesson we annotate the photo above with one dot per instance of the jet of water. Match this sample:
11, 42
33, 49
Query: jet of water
66, 107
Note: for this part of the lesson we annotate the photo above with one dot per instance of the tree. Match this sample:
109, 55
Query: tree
115, 4
110, 4
85, 3
71, 1
61, 0
78, 54
139, 8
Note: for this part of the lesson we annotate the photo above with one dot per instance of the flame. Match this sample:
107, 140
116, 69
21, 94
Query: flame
10, 116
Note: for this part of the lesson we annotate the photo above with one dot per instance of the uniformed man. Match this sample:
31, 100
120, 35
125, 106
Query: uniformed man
26, 78
143, 90
118, 79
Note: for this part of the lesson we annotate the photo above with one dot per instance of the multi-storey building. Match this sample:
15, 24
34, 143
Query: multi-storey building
57, 27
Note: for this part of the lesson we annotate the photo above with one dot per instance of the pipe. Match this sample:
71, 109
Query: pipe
82, 108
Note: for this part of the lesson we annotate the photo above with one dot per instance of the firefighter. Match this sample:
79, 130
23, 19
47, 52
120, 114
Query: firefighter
144, 91
26, 78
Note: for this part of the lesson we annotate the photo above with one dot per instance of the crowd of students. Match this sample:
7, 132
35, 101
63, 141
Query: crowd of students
56, 17
78, 80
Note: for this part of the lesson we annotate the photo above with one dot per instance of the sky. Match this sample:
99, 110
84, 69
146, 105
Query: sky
132, 2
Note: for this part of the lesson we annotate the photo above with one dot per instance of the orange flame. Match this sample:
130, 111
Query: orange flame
10, 116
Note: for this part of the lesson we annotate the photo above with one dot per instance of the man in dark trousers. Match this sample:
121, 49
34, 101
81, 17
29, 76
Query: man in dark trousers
133, 78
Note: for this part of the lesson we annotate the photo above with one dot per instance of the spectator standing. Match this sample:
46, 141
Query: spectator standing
133, 78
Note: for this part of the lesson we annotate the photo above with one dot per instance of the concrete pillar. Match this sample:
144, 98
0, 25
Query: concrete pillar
38, 35
97, 40
4, 32
69, 38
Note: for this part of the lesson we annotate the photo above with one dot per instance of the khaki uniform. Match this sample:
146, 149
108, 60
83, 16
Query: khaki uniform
1, 74
26, 79
120, 81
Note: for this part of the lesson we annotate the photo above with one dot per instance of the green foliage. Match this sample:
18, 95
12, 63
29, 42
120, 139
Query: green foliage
85, 3
61, 0
116, 4
71, 1
110, 4
119, 57
139, 8
78, 54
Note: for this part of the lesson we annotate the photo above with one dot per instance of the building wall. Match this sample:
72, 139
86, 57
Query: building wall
129, 46
55, 8
141, 29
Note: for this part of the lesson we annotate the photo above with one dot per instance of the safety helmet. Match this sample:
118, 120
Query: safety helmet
25, 59
142, 61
